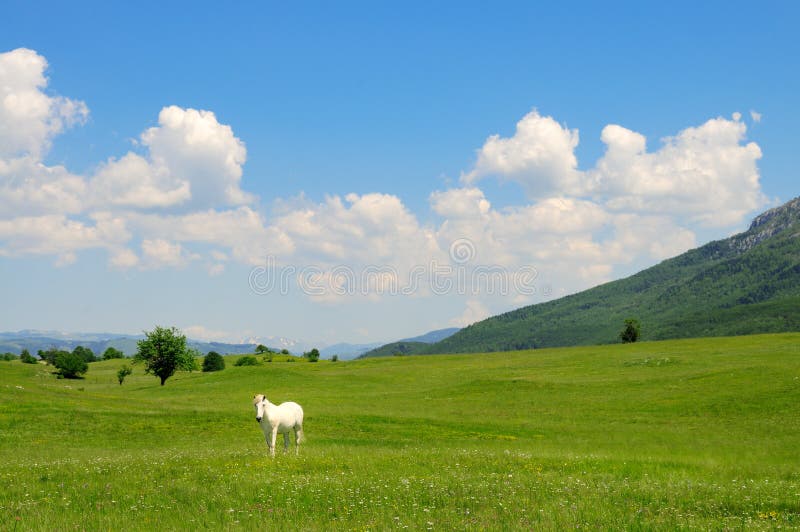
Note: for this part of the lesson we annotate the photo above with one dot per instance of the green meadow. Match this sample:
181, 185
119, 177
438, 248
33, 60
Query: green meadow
700, 433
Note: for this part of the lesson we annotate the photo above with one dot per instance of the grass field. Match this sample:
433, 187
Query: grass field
691, 433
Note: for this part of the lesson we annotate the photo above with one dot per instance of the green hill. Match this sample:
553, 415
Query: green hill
397, 348
411, 346
749, 283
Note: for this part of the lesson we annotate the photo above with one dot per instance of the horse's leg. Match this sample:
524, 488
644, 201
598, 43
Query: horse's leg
269, 443
272, 445
298, 437
285, 442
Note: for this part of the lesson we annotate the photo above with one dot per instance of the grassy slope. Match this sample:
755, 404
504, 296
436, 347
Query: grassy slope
715, 290
652, 435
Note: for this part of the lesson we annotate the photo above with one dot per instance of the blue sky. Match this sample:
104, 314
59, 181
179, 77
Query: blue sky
582, 141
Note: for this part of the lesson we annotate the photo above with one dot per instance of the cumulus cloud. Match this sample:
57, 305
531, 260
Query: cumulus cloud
29, 117
707, 173
192, 160
540, 157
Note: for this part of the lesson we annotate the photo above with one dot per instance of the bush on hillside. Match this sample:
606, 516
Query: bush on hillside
213, 361
247, 361
123, 372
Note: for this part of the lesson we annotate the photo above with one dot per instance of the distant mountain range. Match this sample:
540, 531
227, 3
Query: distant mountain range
33, 341
411, 346
748, 283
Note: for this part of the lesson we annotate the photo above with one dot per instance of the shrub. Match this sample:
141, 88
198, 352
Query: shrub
312, 355
247, 361
213, 361
123, 372
27, 358
71, 365
631, 331
335, 358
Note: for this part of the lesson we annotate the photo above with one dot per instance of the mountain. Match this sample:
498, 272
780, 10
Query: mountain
748, 283
433, 336
34, 340
345, 351
411, 346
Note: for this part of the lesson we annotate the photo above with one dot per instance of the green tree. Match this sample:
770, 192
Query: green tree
50, 355
123, 372
312, 355
85, 353
630, 333
163, 352
261, 349
71, 365
190, 360
284, 351
213, 361
112, 353
27, 358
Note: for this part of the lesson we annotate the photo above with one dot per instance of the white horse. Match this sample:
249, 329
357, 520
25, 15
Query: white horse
279, 418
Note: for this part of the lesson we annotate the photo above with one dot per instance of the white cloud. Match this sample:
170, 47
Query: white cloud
365, 229
755, 116
193, 161
29, 117
29, 188
196, 148
123, 258
473, 312
57, 235
705, 173
159, 253
540, 156
243, 231
135, 182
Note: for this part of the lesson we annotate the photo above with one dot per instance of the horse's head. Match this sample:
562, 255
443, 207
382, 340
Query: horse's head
259, 402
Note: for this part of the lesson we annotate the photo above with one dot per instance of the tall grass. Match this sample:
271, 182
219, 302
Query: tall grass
692, 433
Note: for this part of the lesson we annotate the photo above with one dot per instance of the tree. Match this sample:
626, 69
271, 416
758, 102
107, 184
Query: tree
630, 333
123, 372
27, 358
190, 360
71, 365
50, 355
261, 349
163, 352
213, 361
312, 355
85, 353
112, 353
284, 351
